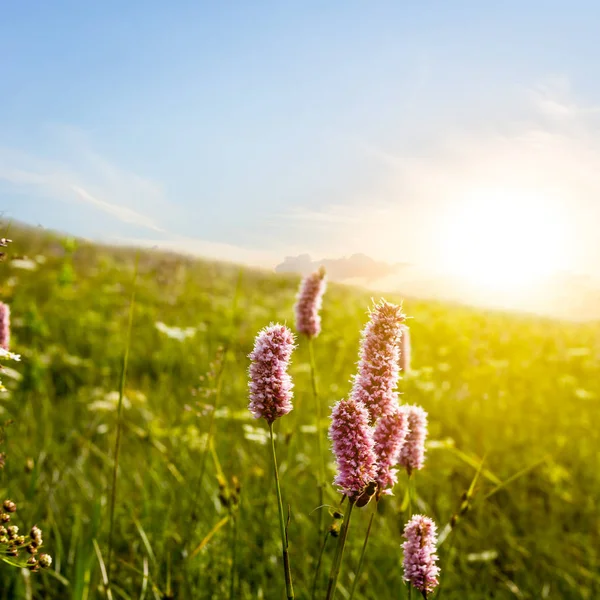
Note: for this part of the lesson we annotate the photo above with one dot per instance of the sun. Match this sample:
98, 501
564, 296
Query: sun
504, 238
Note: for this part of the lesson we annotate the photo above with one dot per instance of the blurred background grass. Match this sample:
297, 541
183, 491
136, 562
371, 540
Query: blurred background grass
518, 390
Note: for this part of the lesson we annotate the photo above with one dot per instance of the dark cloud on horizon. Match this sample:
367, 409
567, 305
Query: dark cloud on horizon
357, 266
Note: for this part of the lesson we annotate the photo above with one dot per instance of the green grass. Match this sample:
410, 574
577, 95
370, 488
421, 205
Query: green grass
521, 391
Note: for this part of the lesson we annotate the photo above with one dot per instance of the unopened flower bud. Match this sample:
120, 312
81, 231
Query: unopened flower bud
9, 506
13, 530
36, 535
45, 560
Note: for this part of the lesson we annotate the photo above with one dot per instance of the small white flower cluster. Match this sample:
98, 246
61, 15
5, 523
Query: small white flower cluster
176, 333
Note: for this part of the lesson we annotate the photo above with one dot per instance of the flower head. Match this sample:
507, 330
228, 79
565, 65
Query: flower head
412, 455
390, 432
353, 446
4, 326
405, 350
270, 384
308, 303
420, 557
378, 368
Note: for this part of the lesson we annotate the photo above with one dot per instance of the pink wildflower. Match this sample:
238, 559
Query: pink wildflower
420, 555
270, 383
4, 326
353, 446
405, 350
389, 435
308, 303
378, 368
412, 455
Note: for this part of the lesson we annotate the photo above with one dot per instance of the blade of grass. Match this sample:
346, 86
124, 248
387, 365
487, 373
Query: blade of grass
103, 571
210, 535
113, 497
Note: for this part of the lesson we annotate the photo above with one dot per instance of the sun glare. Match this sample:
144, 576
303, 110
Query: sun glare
504, 239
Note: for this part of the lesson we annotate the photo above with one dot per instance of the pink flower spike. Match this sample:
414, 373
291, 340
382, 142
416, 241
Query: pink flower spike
390, 432
4, 326
353, 446
270, 384
308, 303
412, 455
378, 365
405, 350
420, 557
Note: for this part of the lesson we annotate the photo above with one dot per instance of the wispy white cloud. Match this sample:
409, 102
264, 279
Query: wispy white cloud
89, 179
123, 213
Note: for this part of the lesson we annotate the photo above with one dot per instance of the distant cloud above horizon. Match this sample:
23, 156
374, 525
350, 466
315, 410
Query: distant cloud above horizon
357, 266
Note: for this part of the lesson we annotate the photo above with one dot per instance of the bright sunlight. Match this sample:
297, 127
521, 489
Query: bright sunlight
503, 238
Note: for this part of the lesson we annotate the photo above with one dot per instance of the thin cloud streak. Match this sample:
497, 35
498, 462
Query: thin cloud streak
122, 213
92, 184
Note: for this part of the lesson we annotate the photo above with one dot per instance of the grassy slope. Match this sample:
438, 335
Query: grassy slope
511, 388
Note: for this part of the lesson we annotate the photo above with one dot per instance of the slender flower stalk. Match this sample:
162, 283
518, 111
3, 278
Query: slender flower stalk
405, 350
4, 326
412, 454
270, 398
420, 558
378, 366
308, 323
364, 550
354, 449
319, 417
282, 525
308, 304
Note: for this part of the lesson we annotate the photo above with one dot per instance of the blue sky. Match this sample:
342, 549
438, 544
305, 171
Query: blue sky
254, 130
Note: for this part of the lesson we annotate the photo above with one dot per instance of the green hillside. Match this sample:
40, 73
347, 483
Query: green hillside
521, 392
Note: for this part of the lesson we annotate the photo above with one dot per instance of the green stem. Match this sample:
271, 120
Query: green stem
337, 561
284, 539
113, 496
410, 514
321, 484
364, 551
318, 568
233, 557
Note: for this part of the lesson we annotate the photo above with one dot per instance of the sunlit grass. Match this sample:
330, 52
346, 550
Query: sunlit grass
521, 392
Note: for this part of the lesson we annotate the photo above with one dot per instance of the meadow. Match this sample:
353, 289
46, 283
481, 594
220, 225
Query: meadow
513, 404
